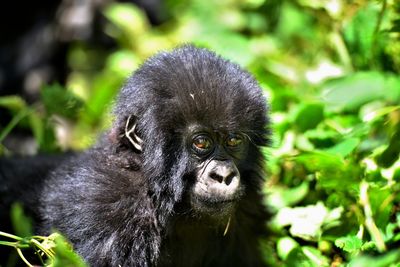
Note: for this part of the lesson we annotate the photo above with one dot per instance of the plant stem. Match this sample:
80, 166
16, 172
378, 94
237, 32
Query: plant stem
48, 252
11, 236
15, 120
23, 258
369, 220
374, 45
341, 49
10, 244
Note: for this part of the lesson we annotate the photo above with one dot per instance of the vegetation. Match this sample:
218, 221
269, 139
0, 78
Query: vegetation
330, 70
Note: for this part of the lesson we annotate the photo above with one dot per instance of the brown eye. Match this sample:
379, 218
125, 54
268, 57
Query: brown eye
234, 141
202, 144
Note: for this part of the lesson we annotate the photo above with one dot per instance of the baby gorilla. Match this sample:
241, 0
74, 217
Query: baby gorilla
176, 181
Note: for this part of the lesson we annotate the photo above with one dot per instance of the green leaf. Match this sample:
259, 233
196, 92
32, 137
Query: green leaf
391, 259
128, 18
21, 223
332, 171
306, 256
321, 161
359, 34
285, 245
278, 198
381, 204
228, 44
105, 87
12, 102
48, 142
351, 92
315, 256
59, 101
309, 116
122, 62
36, 123
379, 113
297, 258
321, 137
351, 244
344, 148
391, 154
18, 117
65, 256
308, 222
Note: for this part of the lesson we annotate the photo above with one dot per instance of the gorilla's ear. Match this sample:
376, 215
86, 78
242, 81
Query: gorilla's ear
131, 134
125, 133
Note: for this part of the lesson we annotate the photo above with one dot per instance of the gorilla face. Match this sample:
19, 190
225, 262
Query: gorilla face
217, 182
197, 121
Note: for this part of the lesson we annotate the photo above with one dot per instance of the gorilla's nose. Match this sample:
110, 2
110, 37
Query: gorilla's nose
224, 176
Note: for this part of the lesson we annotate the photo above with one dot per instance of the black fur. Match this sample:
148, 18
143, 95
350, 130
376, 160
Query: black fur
21, 180
123, 206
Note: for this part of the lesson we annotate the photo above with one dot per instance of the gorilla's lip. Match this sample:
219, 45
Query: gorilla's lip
216, 201
221, 201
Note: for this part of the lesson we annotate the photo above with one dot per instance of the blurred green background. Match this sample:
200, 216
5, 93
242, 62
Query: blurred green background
330, 70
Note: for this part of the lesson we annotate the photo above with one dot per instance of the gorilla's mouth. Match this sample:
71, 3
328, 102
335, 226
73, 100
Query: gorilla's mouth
213, 205
215, 200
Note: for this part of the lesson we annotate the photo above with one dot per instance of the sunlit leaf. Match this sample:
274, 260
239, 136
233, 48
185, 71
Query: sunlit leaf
306, 256
59, 101
350, 244
390, 259
128, 18
65, 256
350, 92
345, 147
12, 102
283, 197
307, 222
285, 245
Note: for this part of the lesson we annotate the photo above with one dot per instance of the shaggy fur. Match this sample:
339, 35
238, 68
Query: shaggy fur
121, 206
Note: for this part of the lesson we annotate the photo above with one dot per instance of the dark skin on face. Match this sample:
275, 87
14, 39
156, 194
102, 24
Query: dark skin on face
217, 186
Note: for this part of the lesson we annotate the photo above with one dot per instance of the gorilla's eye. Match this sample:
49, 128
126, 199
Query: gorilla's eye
234, 141
202, 144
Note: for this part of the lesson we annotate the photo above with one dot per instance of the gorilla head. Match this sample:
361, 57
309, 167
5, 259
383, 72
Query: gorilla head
176, 180
198, 122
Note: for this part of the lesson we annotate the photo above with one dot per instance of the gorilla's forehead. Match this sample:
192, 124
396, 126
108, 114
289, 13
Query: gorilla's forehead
204, 87
190, 85
219, 120
203, 127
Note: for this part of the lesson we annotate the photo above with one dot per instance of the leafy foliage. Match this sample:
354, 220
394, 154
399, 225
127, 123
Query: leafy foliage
52, 251
331, 72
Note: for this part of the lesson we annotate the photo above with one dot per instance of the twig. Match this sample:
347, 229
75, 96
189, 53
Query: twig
48, 252
376, 32
15, 120
11, 236
23, 258
227, 226
369, 220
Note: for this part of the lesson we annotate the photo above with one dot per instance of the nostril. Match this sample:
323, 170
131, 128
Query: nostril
216, 177
229, 178
223, 179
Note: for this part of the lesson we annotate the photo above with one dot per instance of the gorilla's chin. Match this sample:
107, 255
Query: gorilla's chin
212, 207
